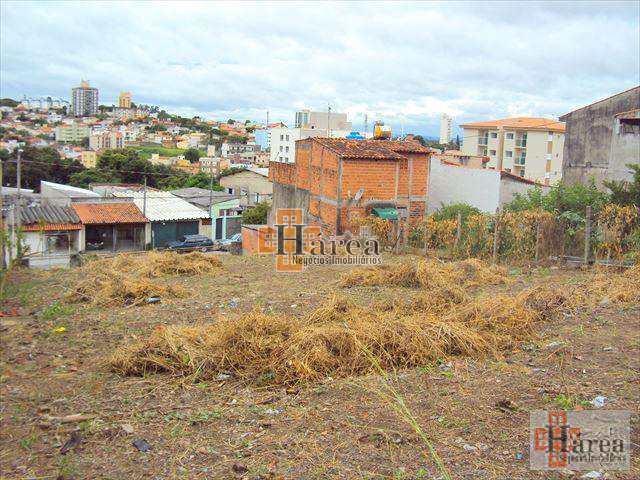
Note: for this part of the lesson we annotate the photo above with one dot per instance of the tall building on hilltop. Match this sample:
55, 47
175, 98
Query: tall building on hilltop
124, 101
446, 128
84, 100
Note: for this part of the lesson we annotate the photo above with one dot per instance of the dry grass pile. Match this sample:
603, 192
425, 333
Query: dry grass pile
429, 274
132, 279
343, 339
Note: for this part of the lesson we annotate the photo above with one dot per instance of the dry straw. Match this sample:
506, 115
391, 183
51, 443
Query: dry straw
133, 278
338, 338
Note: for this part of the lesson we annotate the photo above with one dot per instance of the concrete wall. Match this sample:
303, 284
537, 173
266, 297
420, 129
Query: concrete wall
287, 196
589, 140
452, 184
509, 187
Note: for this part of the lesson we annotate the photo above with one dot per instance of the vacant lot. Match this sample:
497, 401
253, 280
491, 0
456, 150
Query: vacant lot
56, 365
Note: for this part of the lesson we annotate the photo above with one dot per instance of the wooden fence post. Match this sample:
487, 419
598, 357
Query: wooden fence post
537, 241
496, 227
587, 235
456, 242
426, 236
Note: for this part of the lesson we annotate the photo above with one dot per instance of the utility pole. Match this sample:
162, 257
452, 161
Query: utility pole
19, 185
328, 121
366, 125
1, 219
211, 197
267, 119
144, 198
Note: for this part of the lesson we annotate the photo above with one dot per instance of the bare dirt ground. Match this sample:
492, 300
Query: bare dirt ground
335, 429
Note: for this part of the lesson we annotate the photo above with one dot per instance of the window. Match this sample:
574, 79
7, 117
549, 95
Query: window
281, 137
287, 149
492, 153
281, 148
494, 135
230, 191
287, 138
510, 136
508, 153
550, 137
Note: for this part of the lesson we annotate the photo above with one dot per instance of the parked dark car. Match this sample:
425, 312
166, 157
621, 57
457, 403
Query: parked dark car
228, 243
192, 242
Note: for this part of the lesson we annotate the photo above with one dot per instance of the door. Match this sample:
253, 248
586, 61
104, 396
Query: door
165, 232
218, 229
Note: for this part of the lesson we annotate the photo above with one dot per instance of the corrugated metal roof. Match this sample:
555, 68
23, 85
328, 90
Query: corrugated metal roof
164, 206
108, 213
48, 214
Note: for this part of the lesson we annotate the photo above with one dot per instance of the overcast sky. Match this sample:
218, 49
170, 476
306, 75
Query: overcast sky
402, 63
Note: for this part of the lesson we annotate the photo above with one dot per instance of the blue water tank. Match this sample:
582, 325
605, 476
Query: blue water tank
355, 136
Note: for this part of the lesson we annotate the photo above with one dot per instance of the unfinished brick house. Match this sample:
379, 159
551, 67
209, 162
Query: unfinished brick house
337, 181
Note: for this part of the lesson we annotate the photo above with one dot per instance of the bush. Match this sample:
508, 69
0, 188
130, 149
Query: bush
450, 212
256, 215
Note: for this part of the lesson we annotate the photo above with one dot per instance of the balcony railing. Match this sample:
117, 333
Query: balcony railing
521, 143
519, 160
483, 141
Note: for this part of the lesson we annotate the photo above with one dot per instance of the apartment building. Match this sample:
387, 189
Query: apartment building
72, 132
529, 147
124, 101
106, 139
84, 100
446, 128
308, 124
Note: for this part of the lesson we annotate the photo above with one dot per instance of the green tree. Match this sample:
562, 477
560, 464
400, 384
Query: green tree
40, 164
8, 102
88, 176
256, 215
625, 192
199, 180
193, 155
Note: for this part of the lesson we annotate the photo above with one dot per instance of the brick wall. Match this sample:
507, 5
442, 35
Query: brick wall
316, 171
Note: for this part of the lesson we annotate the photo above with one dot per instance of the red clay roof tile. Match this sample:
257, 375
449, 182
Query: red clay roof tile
109, 213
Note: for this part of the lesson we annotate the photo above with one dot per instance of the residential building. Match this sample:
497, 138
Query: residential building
106, 139
485, 189
529, 147
326, 121
171, 217
51, 235
460, 158
263, 138
602, 139
229, 148
337, 181
124, 100
223, 208
446, 129
84, 100
252, 186
72, 132
64, 195
111, 225
283, 140
89, 158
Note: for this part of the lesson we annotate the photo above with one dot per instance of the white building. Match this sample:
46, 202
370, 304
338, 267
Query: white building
446, 128
529, 147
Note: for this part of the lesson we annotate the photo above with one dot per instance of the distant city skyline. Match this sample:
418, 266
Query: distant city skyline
472, 62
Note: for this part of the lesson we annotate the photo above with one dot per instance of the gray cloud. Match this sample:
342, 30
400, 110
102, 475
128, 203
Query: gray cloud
404, 63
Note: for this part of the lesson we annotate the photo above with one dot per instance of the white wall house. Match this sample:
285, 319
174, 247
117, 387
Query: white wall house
485, 189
